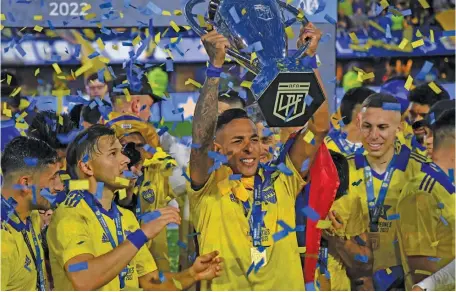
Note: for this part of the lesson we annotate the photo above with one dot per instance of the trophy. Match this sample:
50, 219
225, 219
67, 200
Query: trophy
285, 87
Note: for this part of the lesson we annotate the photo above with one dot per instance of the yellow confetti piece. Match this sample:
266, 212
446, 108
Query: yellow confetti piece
122, 181
435, 243
187, 27
166, 256
324, 224
37, 71
423, 272
162, 121
368, 76
115, 47
2, 17
127, 94
177, 12
122, 194
201, 20
79, 184
403, 43
174, 26
37, 17
243, 11
60, 93
253, 56
193, 82
100, 44
408, 83
22, 126
246, 84
121, 15
157, 38
86, 7
65, 176
424, 4
104, 60
302, 249
177, 284
418, 33
56, 68
83, 69
435, 88
8, 79
136, 40
431, 36
38, 28
21, 116
2, 27
15, 91
166, 13
384, 4
90, 16
61, 77
376, 26
289, 32
418, 43
388, 271
7, 112
170, 54
309, 137
354, 38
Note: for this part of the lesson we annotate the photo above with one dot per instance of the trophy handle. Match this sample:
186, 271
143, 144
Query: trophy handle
243, 60
300, 53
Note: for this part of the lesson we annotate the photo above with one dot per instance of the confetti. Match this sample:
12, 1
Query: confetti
424, 70
235, 177
324, 224
435, 243
290, 33
174, 26
388, 32
388, 271
403, 43
56, 68
31, 161
424, 4
434, 87
182, 245
83, 69
81, 184
177, 284
122, 181
38, 28
330, 19
392, 106
284, 169
384, 4
78, 267
149, 216
368, 76
440, 205
432, 259
65, 176
122, 194
309, 137
310, 213
423, 272
161, 277
406, 12
361, 258
431, 36
418, 43
418, 34
305, 165
393, 217
234, 15
444, 221
246, 84
86, 7
354, 38
193, 82
99, 192
408, 84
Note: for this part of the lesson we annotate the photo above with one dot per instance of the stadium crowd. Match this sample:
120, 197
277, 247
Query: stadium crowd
99, 199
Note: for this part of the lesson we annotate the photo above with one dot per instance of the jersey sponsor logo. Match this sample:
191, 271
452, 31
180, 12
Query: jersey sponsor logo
104, 238
130, 272
149, 196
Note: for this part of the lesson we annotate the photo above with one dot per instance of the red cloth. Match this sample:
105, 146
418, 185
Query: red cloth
324, 182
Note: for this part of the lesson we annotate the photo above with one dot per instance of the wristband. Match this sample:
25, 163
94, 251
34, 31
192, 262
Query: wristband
138, 238
212, 71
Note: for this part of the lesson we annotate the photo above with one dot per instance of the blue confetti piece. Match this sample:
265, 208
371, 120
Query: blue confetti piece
66, 139
155, 9
33, 187
195, 145
11, 17
440, 205
326, 37
19, 187
406, 12
78, 267
149, 216
308, 100
391, 106
330, 19
311, 286
99, 193
193, 234
267, 132
343, 135
448, 33
46, 194
361, 258
234, 15
20, 50
83, 138
393, 217
432, 259
129, 174
388, 32
250, 269
300, 228
432, 117
217, 156
149, 149
259, 265
12, 202
162, 130
230, 85
444, 221
169, 65
93, 55
424, 70
310, 213
182, 245
31, 161
451, 174
305, 165
184, 174
214, 167
360, 241
284, 169
235, 177
51, 26
105, 5
85, 159
284, 225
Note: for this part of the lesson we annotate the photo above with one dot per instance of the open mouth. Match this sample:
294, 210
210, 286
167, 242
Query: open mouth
249, 162
375, 146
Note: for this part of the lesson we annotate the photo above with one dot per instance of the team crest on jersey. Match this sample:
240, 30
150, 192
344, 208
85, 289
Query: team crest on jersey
149, 196
27, 263
104, 238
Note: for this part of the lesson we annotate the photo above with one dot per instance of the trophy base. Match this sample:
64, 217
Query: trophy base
291, 99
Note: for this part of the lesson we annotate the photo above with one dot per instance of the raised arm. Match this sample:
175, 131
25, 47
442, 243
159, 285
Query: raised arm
319, 123
205, 116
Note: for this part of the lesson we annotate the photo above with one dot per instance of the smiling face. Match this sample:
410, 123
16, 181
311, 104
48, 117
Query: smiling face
239, 141
378, 129
267, 141
108, 162
417, 113
48, 178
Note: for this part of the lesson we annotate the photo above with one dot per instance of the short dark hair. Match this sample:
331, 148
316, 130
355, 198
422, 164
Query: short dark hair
94, 77
341, 164
86, 142
352, 98
378, 100
7, 89
26, 154
232, 97
46, 127
423, 94
443, 129
437, 110
93, 115
230, 115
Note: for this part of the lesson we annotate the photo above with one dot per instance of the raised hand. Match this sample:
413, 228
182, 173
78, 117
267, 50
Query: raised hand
215, 45
311, 32
164, 216
207, 267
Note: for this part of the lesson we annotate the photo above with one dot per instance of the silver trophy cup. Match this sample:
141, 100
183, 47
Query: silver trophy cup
285, 87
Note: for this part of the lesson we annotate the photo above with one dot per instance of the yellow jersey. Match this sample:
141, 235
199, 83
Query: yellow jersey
219, 216
75, 230
18, 264
353, 207
335, 142
426, 223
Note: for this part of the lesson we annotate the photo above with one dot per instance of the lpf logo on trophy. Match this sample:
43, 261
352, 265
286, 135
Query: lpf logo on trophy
285, 87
